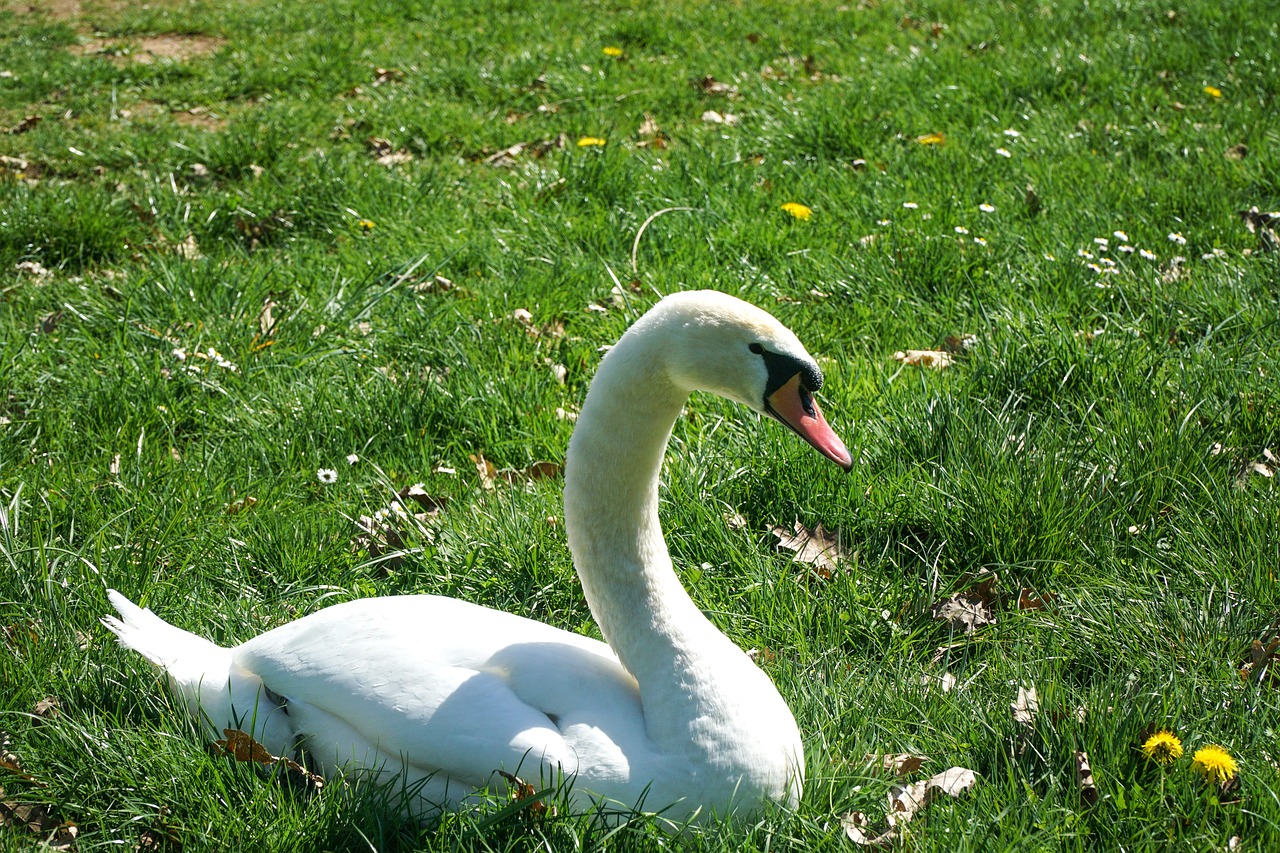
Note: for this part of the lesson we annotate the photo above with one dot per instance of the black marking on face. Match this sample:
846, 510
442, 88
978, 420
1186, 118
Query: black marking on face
782, 367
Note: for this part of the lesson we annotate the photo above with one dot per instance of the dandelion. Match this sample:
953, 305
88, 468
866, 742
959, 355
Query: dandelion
910, 205
613, 51
1215, 764
1004, 152
1213, 91
1175, 237
366, 224
1150, 256
327, 476
799, 211
1120, 235
986, 208
960, 229
1163, 747
590, 142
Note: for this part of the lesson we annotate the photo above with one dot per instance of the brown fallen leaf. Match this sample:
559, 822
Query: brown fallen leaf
1084, 778
237, 507
1028, 599
382, 76
814, 546
937, 359
973, 607
243, 748
26, 124
906, 802
534, 808
899, 765
856, 826
1265, 225
1239, 151
709, 85
1026, 707
48, 708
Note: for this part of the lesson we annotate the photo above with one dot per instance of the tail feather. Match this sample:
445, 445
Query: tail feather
203, 676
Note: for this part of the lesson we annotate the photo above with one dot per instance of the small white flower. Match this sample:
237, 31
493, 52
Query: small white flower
1011, 133
1049, 257
1004, 152
1083, 254
910, 205
352, 459
327, 476
180, 355
1128, 250
884, 222
1175, 237
1120, 235
1106, 262
1102, 241
960, 229
981, 241
1095, 268
1151, 256
986, 208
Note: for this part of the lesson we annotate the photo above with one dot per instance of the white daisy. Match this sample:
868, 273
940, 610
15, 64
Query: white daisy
327, 476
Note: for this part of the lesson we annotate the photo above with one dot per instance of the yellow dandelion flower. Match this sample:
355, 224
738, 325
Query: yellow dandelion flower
366, 224
1215, 764
799, 211
1213, 91
613, 51
1163, 747
590, 141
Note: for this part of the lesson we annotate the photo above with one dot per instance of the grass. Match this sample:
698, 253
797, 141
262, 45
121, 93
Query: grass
1094, 445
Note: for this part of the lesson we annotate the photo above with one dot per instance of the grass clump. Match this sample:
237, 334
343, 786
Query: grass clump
245, 243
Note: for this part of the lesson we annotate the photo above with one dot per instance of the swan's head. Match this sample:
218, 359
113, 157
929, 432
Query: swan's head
715, 342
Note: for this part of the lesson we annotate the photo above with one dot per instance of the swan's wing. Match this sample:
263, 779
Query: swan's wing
439, 684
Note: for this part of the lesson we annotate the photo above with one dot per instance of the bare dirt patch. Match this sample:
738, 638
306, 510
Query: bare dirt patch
200, 117
165, 47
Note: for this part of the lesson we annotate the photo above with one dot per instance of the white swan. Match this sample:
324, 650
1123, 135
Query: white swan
441, 693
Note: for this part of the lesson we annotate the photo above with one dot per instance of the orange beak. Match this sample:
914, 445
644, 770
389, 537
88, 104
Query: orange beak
794, 406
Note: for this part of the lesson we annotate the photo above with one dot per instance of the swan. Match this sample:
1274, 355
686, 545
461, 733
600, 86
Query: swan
438, 693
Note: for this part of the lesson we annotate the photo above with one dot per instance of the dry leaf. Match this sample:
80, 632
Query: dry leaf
1084, 778
1029, 600
1265, 225
813, 546
1026, 707
711, 86
521, 791
936, 359
26, 124
48, 708
244, 748
1236, 152
236, 507
855, 825
974, 607
266, 321
899, 765
713, 117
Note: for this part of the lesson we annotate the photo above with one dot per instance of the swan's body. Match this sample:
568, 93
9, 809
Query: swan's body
669, 715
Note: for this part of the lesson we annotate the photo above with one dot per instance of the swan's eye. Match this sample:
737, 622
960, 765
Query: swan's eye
756, 348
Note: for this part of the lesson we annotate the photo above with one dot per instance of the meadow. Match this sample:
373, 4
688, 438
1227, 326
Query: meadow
264, 267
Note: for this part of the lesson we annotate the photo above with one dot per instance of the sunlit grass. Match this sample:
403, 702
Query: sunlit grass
213, 289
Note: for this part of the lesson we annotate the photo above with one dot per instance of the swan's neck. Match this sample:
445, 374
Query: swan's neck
614, 461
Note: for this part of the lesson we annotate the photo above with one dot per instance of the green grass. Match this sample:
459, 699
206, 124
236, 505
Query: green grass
1071, 451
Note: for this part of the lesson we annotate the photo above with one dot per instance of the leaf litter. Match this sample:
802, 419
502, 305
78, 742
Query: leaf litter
813, 546
905, 803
